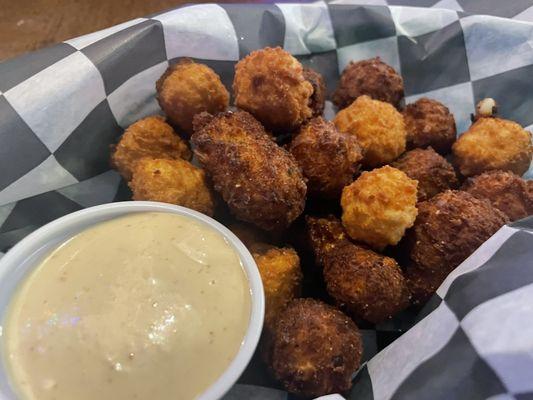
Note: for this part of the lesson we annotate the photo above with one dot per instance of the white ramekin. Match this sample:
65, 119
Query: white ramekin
18, 262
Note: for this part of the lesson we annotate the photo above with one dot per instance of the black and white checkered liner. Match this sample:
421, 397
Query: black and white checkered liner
61, 108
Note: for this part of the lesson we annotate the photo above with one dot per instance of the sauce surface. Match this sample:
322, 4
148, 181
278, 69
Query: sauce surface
145, 306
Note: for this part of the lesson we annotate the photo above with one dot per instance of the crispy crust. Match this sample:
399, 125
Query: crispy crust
370, 77
270, 84
370, 286
248, 234
282, 279
433, 173
493, 143
188, 88
281, 275
450, 227
260, 182
325, 235
328, 158
429, 123
148, 137
379, 128
506, 191
316, 349
172, 181
422, 283
318, 98
200, 120
379, 206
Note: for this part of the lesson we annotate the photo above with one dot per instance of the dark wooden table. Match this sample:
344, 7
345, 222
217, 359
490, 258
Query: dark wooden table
27, 25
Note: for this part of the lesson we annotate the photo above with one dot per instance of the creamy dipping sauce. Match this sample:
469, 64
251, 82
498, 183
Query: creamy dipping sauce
145, 306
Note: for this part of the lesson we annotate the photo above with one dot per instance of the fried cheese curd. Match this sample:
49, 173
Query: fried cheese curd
316, 349
505, 191
429, 123
449, 227
188, 88
433, 173
328, 158
281, 274
149, 137
379, 206
378, 127
370, 77
271, 85
172, 181
366, 284
493, 143
260, 182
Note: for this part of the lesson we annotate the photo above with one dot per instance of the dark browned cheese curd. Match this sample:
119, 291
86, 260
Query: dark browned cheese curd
370, 77
433, 173
316, 349
260, 182
429, 123
449, 227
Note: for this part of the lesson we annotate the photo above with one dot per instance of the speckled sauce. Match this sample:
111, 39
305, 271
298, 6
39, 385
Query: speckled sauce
145, 306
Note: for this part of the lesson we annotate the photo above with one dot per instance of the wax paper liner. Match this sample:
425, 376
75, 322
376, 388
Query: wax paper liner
61, 108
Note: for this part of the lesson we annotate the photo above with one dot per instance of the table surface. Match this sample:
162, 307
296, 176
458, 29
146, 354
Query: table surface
27, 25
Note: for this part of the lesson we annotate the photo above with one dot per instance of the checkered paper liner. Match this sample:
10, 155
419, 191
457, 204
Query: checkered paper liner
61, 108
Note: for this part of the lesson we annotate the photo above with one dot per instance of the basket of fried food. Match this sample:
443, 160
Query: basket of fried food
350, 221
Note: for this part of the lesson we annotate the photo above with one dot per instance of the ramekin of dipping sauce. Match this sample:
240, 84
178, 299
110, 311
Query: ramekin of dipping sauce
128, 300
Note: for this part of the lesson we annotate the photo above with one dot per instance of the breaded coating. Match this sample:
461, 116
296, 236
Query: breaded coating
149, 137
279, 269
248, 234
429, 123
368, 285
370, 77
378, 126
433, 173
506, 191
172, 181
422, 284
493, 143
379, 206
316, 349
449, 227
260, 181
318, 98
270, 84
325, 235
188, 88
328, 158
282, 279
